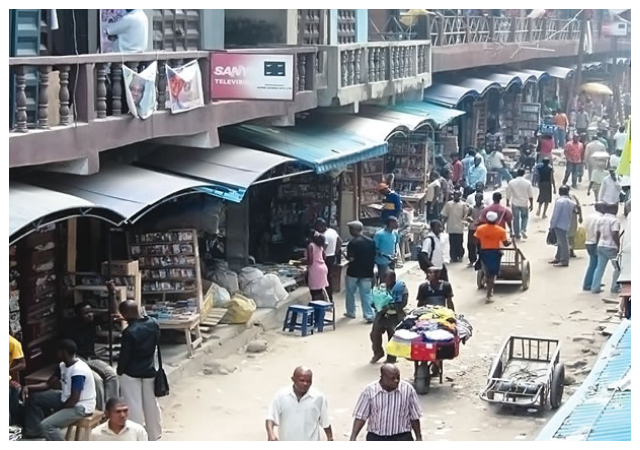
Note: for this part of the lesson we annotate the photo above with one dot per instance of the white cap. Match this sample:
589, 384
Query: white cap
492, 217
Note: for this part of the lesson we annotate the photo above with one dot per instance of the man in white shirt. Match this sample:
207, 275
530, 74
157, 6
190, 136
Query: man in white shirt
299, 411
591, 227
118, 427
497, 163
608, 249
592, 148
70, 392
332, 247
610, 189
614, 160
620, 138
435, 250
520, 199
454, 215
487, 197
434, 190
131, 32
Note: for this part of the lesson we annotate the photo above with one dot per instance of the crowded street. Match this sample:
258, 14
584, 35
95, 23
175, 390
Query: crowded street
553, 307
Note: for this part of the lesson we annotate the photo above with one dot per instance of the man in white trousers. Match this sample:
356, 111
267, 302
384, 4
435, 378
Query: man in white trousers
136, 367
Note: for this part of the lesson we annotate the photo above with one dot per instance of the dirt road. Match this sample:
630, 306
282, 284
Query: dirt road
233, 406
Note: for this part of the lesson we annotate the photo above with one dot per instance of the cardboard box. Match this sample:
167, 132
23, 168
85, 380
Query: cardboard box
121, 268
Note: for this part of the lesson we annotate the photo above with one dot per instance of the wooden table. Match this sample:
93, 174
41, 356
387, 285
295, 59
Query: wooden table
190, 325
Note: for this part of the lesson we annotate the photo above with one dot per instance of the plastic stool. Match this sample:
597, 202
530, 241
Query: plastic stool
320, 309
291, 319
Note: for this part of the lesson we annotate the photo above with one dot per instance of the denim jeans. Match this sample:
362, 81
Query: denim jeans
592, 251
605, 254
572, 170
520, 219
50, 428
562, 137
364, 285
504, 174
562, 254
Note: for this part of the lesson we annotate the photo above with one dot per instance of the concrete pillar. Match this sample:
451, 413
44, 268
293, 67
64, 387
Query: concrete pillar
292, 27
333, 27
212, 29
149, 13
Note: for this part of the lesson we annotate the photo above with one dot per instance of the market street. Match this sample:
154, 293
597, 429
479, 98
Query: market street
233, 407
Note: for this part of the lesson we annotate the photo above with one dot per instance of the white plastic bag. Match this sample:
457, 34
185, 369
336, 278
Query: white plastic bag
248, 275
266, 292
226, 279
220, 295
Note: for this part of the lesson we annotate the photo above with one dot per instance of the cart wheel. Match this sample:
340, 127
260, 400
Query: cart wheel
543, 397
480, 279
423, 378
526, 275
557, 386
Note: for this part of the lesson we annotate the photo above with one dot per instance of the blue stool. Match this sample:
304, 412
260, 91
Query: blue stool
291, 319
320, 309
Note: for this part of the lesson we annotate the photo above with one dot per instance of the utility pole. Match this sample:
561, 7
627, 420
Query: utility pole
578, 77
615, 82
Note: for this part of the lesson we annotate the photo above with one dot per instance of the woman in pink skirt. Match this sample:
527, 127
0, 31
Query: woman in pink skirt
317, 269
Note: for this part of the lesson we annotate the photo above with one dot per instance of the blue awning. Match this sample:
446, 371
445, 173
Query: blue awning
320, 147
524, 77
541, 75
448, 95
506, 81
228, 170
480, 85
415, 114
559, 72
600, 410
372, 128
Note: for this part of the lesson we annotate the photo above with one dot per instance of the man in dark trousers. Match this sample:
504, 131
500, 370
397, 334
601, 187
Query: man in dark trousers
361, 254
389, 317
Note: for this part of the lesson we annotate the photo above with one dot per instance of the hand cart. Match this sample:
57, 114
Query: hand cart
513, 267
423, 368
526, 372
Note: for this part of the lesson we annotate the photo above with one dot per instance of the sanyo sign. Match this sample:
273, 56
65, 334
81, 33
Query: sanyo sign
230, 71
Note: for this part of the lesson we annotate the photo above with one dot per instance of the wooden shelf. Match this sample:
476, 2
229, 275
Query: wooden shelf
162, 243
175, 266
187, 291
169, 279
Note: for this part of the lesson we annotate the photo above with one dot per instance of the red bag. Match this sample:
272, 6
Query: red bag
423, 351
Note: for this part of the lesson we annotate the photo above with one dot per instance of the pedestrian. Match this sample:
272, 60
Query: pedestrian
434, 194
527, 153
17, 364
332, 257
546, 144
76, 400
610, 189
491, 238
574, 153
560, 224
561, 121
435, 292
454, 215
131, 32
478, 172
446, 188
136, 367
520, 199
456, 170
386, 240
576, 218
582, 121
317, 272
487, 198
607, 249
118, 427
389, 407
82, 330
433, 251
472, 242
614, 160
597, 177
593, 147
361, 254
591, 228
546, 181
467, 164
391, 204
299, 411
496, 158
620, 138
388, 318
505, 216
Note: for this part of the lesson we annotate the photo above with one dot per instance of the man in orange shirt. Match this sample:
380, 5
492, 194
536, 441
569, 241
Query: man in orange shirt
561, 121
574, 152
491, 238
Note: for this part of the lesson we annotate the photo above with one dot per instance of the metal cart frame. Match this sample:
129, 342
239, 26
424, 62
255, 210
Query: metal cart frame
513, 267
527, 349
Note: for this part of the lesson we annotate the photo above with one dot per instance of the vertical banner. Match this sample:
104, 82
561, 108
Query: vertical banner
624, 167
140, 89
108, 17
185, 87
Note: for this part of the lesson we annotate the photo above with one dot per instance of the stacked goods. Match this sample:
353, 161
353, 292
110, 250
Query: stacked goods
430, 333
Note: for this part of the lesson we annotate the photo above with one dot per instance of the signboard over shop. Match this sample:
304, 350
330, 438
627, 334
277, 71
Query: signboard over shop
250, 76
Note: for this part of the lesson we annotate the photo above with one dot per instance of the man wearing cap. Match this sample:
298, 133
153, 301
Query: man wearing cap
491, 238
477, 173
361, 254
392, 204
560, 224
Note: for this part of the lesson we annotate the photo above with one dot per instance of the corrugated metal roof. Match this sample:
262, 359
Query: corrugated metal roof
597, 412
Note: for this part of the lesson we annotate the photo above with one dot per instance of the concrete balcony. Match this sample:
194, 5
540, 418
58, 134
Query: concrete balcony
81, 106
461, 42
368, 71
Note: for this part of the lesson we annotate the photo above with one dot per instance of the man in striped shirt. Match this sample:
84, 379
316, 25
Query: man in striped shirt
390, 406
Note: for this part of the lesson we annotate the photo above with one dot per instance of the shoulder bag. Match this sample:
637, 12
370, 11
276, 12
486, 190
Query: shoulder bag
161, 383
